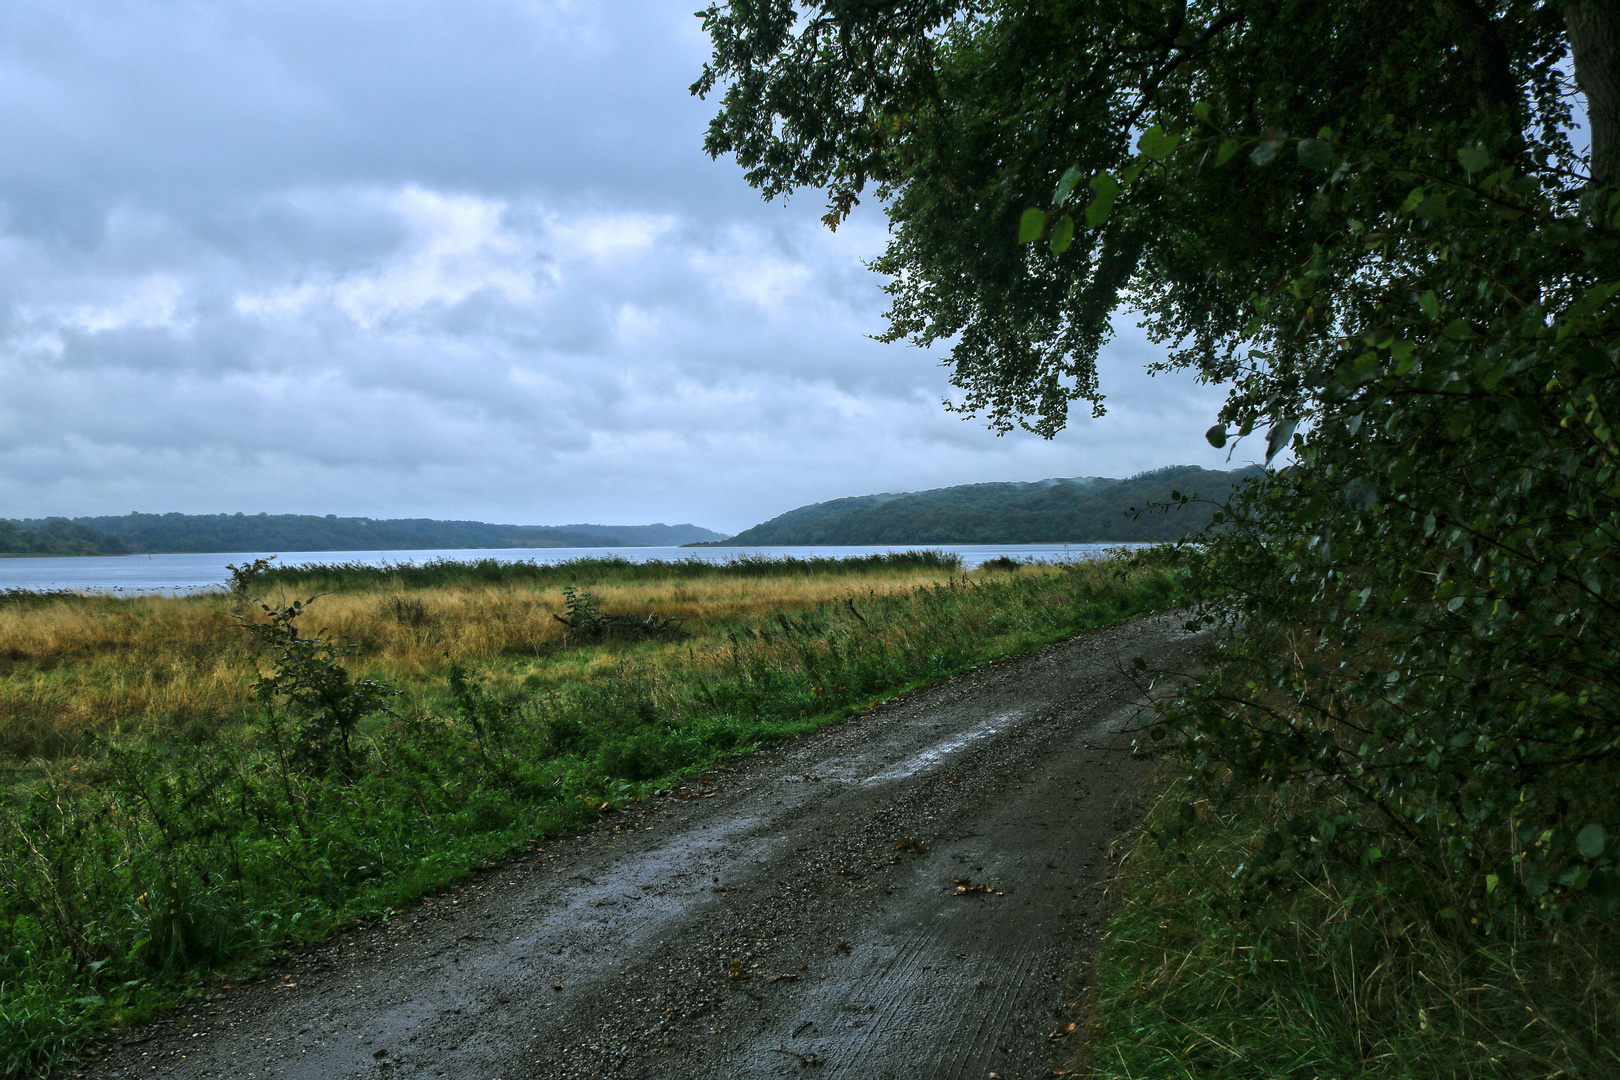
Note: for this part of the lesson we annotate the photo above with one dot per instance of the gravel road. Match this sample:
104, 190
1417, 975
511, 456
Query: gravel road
904, 894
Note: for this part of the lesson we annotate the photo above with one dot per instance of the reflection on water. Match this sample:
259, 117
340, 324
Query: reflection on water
192, 573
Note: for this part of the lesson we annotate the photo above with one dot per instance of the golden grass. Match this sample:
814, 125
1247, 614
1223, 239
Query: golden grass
76, 667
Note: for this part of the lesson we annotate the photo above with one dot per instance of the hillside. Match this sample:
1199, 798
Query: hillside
1081, 510
56, 536
161, 533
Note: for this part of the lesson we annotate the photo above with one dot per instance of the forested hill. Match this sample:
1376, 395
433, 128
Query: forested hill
1081, 510
56, 536
307, 532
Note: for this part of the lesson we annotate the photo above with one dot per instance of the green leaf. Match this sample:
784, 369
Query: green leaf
1216, 436
1107, 189
1156, 143
1278, 438
1493, 377
1430, 304
1202, 110
1315, 154
1266, 152
1071, 176
1063, 235
1416, 196
1360, 495
1228, 150
1474, 158
1031, 225
1591, 840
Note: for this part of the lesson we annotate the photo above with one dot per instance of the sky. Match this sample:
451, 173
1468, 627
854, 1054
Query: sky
453, 260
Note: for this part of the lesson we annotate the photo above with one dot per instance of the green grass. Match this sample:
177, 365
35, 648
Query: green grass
1356, 970
146, 866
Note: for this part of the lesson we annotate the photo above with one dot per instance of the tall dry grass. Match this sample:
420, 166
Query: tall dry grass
73, 667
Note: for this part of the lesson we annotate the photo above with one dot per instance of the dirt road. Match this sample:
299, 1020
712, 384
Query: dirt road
900, 896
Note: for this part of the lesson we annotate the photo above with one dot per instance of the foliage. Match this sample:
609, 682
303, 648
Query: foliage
310, 532
1372, 221
247, 576
56, 536
1089, 510
966, 115
141, 864
586, 621
311, 682
1345, 974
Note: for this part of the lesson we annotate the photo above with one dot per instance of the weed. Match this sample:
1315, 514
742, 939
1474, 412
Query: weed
1365, 970
246, 578
311, 682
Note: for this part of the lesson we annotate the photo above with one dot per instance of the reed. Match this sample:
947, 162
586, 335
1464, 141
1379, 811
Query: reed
76, 667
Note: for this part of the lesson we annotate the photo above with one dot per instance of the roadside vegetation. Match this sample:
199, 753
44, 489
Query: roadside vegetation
1358, 967
194, 783
1392, 232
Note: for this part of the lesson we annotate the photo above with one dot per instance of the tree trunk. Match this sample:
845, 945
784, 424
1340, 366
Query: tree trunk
1594, 39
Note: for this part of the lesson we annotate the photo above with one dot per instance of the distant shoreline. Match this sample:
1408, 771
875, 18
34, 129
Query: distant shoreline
57, 555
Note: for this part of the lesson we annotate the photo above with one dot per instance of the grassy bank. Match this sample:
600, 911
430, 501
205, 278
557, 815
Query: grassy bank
183, 800
589, 571
1363, 969
80, 667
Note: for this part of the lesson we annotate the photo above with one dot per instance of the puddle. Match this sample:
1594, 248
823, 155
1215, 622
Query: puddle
937, 753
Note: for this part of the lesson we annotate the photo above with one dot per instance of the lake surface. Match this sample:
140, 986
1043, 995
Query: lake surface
194, 573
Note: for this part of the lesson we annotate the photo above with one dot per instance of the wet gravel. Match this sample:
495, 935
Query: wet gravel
905, 894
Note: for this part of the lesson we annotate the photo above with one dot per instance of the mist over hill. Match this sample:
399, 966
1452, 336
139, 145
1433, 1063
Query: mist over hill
1080, 510
194, 533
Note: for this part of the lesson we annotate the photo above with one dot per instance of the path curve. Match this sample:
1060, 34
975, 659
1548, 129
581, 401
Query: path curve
778, 920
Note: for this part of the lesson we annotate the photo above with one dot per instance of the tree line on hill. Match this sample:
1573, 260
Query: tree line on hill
56, 536
1081, 510
195, 533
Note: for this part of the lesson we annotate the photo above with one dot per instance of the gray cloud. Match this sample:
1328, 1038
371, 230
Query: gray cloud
451, 260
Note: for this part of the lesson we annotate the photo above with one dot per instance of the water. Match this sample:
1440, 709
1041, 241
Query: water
195, 573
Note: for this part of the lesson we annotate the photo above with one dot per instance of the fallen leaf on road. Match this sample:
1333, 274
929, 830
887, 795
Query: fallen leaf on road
909, 843
1061, 1030
844, 947
965, 887
556, 986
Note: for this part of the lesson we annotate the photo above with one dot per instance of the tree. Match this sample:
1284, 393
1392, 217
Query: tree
1370, 220
962, 115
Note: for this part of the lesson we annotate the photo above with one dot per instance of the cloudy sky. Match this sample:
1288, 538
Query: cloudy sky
415, 258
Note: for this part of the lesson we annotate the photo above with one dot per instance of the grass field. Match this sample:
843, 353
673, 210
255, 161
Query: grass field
186, 795
77, 667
